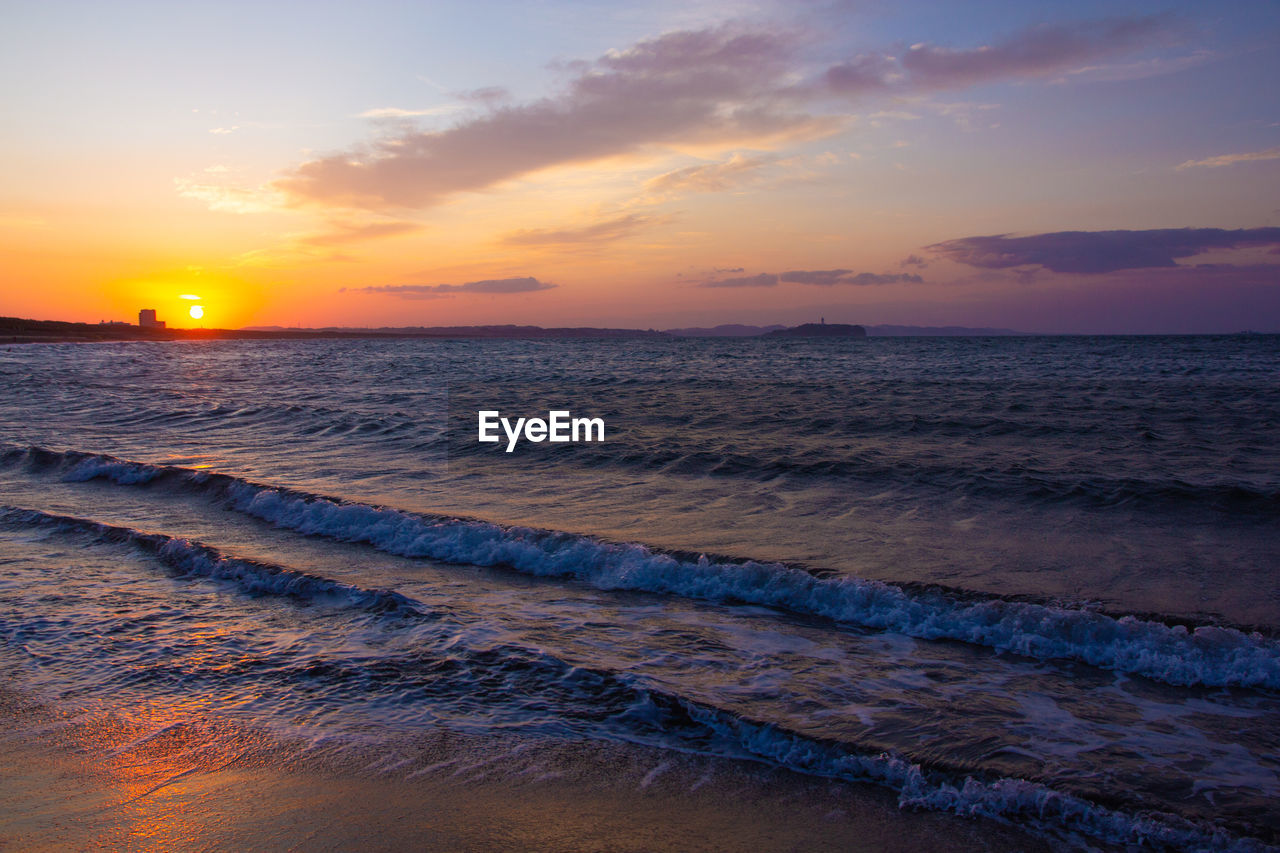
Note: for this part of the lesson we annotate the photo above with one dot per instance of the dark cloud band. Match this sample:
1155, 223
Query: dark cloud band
822, 278
527, 284
1091, 252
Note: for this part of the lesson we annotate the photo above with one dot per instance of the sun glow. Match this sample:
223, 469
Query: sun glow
196, 312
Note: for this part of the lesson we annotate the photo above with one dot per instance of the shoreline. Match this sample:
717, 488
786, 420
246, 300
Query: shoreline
120, 781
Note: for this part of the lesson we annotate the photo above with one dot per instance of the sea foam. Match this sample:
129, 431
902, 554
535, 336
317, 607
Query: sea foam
1205, 655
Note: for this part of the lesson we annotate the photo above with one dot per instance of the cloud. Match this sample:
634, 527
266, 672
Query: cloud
229, 199
1137, 70
1232, 159
528, 284
1091, 252
829, 278
600, 232
710, 177
763, 280
486, 94
222, 131
824, 278
1036, 52
724, 86
350, 232
865, 73
914, 261
720, 86
397, 112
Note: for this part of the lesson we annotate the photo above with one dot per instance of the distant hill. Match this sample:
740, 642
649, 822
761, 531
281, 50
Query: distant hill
938, 331
727, 330
740, 331
820, 330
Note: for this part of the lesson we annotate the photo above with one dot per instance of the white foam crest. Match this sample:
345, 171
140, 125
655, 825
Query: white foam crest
1001, 799
124, 473
1209, 656
193, 559
259, 579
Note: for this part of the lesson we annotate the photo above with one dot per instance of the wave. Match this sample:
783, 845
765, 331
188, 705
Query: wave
1042, 486
1205, 655
602, 702
193, 559
1031, 803
979, 478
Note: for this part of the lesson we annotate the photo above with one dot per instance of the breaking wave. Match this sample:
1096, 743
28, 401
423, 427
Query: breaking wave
1206, 655
617, 705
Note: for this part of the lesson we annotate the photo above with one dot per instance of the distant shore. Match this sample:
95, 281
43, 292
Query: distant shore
18, 330
15, 330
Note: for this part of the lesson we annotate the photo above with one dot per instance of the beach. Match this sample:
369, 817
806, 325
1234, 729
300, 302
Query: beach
116, 784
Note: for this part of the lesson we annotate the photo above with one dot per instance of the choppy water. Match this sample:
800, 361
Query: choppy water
1027, 578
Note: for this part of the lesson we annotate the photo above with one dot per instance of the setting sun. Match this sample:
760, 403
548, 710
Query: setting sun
196, 312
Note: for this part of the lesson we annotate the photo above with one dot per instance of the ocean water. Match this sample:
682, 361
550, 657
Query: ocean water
1031, 579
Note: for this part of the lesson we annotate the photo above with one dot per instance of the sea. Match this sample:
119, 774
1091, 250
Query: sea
1028, 579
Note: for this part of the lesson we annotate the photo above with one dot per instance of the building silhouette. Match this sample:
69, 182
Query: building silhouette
147, 319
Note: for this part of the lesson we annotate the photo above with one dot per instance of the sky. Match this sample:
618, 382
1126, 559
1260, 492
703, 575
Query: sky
1095, 167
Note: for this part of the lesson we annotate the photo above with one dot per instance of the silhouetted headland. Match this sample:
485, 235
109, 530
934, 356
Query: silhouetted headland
819, 330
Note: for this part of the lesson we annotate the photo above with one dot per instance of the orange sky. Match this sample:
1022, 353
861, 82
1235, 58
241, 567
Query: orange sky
432, 167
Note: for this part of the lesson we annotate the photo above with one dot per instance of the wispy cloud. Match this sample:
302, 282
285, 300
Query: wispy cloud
1092, 252
397, 112
1137, 70
711, 177
1231, 159
829, 278
527, 284
608, 230
723, 87
230, 199
340, 233
486, 95
821, 278
717, 86
764, 279
1032, 53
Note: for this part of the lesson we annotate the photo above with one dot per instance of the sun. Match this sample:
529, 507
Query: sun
196, 312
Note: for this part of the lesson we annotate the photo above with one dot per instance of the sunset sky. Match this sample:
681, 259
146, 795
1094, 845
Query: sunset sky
1055, 167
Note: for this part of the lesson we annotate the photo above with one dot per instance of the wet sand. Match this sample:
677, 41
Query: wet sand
113, 781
